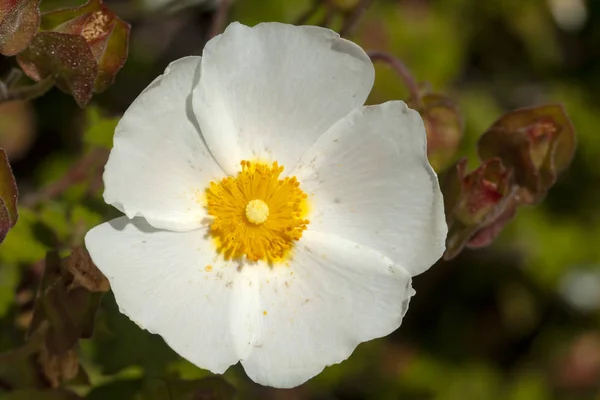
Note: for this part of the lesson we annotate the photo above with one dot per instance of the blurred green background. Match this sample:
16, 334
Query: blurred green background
519, 320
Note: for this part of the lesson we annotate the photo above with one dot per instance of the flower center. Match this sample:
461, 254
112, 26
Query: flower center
255, 213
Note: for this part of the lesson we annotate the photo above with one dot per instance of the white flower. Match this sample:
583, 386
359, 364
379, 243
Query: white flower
230, 257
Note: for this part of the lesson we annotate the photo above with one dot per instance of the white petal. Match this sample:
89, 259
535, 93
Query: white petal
161, 281
274, 88
334, 295
369, 181
159, 164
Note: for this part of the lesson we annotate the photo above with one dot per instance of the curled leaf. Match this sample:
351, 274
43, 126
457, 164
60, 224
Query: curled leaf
477, 205
537, 143
19, 21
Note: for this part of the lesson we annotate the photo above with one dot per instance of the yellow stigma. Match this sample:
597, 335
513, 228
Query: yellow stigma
257, 211
256, 214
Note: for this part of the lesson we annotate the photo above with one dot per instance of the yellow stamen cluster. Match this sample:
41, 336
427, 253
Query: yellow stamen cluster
256, 214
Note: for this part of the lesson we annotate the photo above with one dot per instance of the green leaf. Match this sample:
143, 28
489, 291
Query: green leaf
19, 21
119, 343
9, 279
19, 368
116, 390
100, 129
23, 244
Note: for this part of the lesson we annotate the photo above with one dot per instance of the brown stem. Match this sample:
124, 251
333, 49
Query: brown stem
77, 173
353, 18
219, 18
302, 19
409, 81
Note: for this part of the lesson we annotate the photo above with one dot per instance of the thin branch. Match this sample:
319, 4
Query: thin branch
354, 17
219, 18
409, 81
78, 172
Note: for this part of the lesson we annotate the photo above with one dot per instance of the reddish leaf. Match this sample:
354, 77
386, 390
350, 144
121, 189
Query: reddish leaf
106, 34
66, 56
8, 197
538, 143
19, 21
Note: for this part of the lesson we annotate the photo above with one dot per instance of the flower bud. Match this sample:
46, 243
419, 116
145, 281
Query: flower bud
537, 143
477, 204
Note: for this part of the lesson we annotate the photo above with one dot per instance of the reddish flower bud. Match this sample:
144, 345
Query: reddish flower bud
538, 143
477, 204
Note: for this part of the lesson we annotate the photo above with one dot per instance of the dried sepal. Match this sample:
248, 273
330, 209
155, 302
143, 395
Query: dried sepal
538, 143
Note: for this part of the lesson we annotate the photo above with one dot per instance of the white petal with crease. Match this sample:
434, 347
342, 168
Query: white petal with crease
274, 88
161, 281
159, 164
334, 295
369, 181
